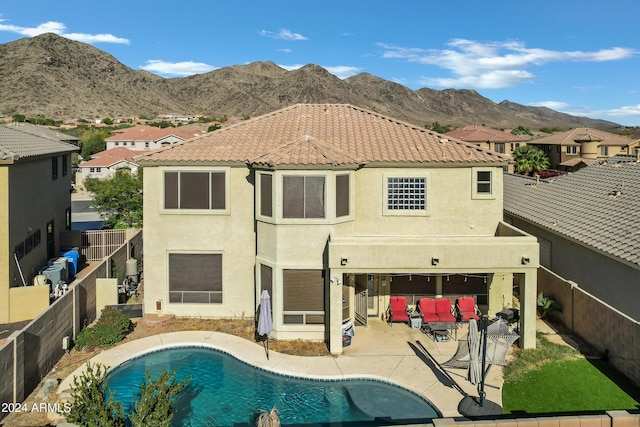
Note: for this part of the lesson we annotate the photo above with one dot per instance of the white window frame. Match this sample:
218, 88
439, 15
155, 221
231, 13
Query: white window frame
475, 194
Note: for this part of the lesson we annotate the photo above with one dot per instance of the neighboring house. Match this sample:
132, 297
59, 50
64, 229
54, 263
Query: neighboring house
35, 205
332, 209
105, 164
489, 139
580, 147
45, 132
586, 225
143, 137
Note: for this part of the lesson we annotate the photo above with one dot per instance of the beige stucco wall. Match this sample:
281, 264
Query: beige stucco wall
459, 227
32, 199
4, 243
27, 302
106, 294
230, 233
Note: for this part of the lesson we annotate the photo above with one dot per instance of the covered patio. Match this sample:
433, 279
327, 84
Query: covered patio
411, 358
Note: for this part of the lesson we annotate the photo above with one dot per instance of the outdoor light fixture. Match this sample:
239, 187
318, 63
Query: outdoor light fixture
343, 261
435, 261
525, 260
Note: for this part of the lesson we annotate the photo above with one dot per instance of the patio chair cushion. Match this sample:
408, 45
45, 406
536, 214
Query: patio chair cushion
443, 309
427, 309
466, 309
398, 309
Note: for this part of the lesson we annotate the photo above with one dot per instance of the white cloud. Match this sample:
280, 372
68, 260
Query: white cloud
283, 34
182, 69
60, 29
340, 71
343, 71
629, 112
285, 50
495, 64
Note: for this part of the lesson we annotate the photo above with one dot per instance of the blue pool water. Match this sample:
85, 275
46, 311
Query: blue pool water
227, 392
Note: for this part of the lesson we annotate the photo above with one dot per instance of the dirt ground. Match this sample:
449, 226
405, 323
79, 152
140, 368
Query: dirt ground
244, 328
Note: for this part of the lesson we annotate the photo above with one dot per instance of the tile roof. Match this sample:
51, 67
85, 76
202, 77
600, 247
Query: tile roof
323, 134
15, 144
579, 135
45, 132
109, 157
475, 133
597, 206
150, 133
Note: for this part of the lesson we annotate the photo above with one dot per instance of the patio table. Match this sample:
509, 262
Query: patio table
444, 328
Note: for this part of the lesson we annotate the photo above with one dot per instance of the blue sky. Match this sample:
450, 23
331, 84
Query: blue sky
581, 57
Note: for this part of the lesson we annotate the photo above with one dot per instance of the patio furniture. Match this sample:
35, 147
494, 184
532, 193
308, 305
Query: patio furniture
398, 310
440, 331
466, 309
415, 321
426, 308
443, 309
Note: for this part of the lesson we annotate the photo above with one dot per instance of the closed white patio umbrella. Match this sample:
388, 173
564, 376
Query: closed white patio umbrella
473, 341
265, 322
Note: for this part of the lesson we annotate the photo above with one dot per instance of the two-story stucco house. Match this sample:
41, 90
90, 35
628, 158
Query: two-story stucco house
144, 137
35, 204
322, 205
106, 163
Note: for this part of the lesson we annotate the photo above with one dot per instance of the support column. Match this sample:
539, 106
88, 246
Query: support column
333, 311
438, 285
528, 297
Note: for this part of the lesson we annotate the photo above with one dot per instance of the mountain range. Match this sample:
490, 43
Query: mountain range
64, 79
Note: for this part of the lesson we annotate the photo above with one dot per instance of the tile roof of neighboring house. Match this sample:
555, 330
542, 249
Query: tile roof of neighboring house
109, 157
580, 135
45, 132
149, 133
597, 206
475, 133
323, 134
16, 144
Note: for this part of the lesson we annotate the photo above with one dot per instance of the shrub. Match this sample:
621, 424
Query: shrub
110, 329
90, 406
155, 406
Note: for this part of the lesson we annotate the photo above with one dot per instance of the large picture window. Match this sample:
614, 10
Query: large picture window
303, 197
194, 190
406, 193
195, 278
303, 297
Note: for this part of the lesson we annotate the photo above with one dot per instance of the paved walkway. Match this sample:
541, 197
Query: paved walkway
397, 354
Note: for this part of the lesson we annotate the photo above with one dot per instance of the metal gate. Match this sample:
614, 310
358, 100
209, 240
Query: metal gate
361, 308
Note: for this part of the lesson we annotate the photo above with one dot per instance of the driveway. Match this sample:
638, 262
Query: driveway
83, 215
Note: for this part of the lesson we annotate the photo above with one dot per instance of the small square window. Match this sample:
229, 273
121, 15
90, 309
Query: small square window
483, 182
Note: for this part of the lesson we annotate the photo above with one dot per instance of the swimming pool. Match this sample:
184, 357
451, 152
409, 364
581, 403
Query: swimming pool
225, 391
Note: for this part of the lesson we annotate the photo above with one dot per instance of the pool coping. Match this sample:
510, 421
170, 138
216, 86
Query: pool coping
409, 372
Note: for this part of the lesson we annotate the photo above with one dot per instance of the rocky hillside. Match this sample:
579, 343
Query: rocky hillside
63, 79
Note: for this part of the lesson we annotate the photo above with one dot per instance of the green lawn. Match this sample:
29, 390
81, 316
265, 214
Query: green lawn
555, 379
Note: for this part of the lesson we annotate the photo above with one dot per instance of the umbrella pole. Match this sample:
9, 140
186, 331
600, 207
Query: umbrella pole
266, 346
481, 392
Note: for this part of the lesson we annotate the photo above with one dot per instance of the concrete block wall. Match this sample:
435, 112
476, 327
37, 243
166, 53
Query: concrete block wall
28, 355
598, 324
608, 419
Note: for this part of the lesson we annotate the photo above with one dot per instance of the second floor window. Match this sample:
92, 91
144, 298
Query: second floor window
604, 150
572, 149
483, 182
54, 168
303, 197
499, 147
406, 193
194, 190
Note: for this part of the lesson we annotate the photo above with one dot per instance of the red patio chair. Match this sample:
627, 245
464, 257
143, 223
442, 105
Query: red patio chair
466, 309
443, 309
427, 309
398, 310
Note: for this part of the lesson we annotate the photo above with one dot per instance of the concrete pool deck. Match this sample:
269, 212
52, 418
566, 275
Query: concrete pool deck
397, 354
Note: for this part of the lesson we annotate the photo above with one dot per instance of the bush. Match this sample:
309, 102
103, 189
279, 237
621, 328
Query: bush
110, 329
155, 406
90, 406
